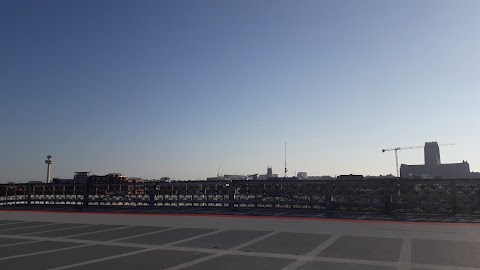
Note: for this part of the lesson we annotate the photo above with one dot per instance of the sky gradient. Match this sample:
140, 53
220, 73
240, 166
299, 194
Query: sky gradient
174, 88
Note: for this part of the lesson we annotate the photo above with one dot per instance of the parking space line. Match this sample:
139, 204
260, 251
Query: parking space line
207, 258
19, 222
300, 260
134, 252
12, 223
442, 267
139, 235
103, 259
28, 227
62, 229
304, 259
405, 254
192, 238
43, 252
106, 230
14, 244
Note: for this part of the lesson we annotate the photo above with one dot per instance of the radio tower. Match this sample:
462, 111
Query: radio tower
49, 162
286, 160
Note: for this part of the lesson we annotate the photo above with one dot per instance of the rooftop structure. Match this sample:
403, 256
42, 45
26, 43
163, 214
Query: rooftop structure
433, 167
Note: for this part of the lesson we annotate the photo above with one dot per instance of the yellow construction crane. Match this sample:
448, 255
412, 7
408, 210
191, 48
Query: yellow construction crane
396, 149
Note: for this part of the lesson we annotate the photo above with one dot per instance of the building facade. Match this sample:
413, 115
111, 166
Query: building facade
433, 167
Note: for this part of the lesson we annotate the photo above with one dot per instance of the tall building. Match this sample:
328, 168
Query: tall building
433, 168
432, 157
269, 171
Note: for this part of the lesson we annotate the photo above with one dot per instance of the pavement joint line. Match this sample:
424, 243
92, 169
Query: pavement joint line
303, 259
139, 235
28, 227
442, 267
106, 230
405, 258
14, 244
225, 252
62, 229
43, 252
103, 259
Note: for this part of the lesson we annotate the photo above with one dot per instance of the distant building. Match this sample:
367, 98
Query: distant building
433, 168
216, 178
81, 176
302, 175
61, 180
269, 172
350, 177
235, 177
111, 178
116, 183
388, 176
325, 177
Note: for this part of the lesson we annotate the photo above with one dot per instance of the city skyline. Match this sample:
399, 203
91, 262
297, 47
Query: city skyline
174, 88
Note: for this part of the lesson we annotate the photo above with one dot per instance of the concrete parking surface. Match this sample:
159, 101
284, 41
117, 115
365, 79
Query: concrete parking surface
68, 240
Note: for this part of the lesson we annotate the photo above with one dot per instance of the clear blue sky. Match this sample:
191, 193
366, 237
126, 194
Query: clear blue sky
173, 88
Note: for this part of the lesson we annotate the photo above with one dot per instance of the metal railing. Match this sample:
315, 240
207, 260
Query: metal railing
456, 196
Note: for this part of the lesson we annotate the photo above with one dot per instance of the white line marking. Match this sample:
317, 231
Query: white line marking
14, 244
207, 258
102, 259
13, 222
62, 229
139, 235
192, 238
442, 267
134, 252
353, 261
302, 260
33, 226
43, 252
106, 230
405, 255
